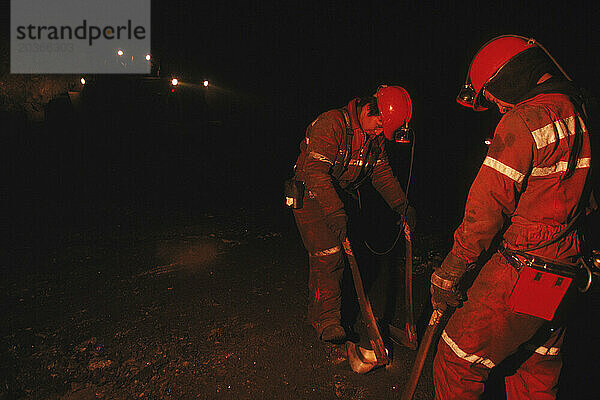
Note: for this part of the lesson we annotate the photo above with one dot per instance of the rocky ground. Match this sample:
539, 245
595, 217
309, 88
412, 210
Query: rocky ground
207, 308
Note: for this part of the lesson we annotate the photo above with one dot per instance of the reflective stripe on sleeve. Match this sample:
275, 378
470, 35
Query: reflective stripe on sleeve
552, 351
560, 166
504, 169
556, 130
327, 252
471, 358
320, 157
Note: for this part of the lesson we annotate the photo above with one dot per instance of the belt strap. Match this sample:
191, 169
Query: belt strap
537, 262
512, 260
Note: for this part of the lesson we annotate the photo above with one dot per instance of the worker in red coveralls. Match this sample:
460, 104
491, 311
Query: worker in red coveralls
342, 149
532, 187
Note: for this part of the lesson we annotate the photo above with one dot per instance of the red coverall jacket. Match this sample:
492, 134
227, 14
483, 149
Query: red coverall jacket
323, 155
520, 179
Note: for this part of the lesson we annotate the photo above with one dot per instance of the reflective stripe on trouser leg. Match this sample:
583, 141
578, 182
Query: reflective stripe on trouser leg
481, 334
324, 284
537, 377
326, 265
455, 377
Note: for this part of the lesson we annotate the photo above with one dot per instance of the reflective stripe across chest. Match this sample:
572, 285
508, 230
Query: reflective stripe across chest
362, 156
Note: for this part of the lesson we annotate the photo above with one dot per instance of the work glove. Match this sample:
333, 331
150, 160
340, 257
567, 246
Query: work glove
337, 222
441, 299
444, 283
408, 215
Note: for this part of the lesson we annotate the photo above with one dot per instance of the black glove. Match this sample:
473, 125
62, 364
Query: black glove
444, 291
409, 216
336, 222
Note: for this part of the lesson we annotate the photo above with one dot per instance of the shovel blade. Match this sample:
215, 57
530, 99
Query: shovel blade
361, 360
404, 337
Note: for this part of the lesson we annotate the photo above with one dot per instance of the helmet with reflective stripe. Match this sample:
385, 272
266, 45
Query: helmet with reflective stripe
395, 108
486, 64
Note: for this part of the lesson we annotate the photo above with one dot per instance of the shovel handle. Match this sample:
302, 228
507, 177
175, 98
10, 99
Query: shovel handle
415, 374
411, 330
365, 307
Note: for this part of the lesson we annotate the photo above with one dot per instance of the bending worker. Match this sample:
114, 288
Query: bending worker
342, 149
534, 184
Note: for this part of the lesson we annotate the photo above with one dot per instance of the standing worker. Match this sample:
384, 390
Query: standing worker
342, 149
534, 183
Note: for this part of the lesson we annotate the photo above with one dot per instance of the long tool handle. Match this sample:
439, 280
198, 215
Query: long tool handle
365, 308
415, 374
411, 330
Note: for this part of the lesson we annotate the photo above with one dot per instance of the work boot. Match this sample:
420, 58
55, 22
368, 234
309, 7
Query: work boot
333, 334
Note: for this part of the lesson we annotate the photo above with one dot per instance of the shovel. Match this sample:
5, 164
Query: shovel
363, 360
407, 336
415, 374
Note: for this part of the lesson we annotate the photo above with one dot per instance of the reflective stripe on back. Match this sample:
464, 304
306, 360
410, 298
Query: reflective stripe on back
555, 130
560, 166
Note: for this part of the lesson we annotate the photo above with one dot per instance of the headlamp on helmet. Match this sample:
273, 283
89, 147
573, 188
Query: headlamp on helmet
466, 96
403, 135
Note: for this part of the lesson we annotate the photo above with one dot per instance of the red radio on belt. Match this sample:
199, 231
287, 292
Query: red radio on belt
538, 293
541, 285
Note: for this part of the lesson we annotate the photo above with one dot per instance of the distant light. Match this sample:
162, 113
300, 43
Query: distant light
82, 80
120, 52
147, 57
205, 83
487, 142
174, 82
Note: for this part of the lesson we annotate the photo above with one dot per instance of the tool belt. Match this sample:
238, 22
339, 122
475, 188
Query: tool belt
542, 283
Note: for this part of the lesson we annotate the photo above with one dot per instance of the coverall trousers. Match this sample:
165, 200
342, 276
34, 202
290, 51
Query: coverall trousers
326, 263
484, 332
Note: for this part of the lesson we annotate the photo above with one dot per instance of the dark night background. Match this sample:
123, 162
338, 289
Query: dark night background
273, 67
133, 154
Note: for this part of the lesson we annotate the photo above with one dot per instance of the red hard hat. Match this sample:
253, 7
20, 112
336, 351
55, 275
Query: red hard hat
395, 108
487, 62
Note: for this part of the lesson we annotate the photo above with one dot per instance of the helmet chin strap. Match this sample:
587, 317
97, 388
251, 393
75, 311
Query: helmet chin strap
372, 132
360, 117
502, 105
